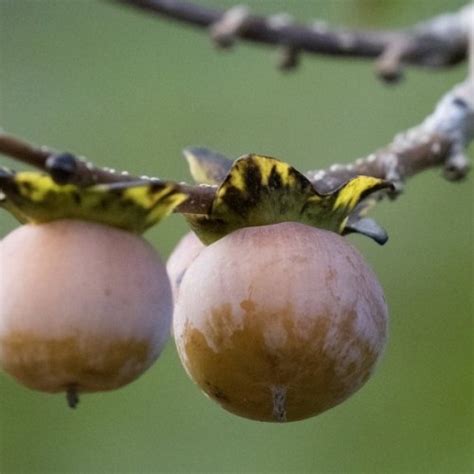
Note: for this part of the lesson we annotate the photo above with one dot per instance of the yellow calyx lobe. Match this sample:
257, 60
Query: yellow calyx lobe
135, 206
261, 190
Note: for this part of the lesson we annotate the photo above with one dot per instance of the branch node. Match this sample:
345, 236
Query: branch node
393, 173
437, 42
225, 31
454, 118
288, 59
456, 167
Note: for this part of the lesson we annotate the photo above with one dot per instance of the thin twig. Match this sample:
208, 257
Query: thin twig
23, 151
439, 42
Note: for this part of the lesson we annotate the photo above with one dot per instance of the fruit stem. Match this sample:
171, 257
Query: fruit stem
72, 396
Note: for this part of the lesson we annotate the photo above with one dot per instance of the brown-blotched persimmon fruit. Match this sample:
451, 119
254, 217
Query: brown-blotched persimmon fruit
280, 322
84, 307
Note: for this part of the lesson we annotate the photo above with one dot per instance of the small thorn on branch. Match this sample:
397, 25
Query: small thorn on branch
456, 167
389, 65
225, 31
289, 54
289, 58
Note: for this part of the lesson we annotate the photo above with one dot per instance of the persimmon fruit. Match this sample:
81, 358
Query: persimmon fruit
84, 307
280, 322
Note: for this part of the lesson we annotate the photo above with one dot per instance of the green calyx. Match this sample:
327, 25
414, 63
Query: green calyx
260, 190
252, 190
134, 206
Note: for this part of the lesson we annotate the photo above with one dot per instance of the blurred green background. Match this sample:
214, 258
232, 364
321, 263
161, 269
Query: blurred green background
130, 91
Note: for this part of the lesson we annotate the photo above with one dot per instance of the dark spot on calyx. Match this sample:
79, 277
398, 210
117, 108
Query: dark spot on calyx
156, 187
274, 180
116, 191
303, 183
127, 203
241, 201
236, 200
27, 187
76, 196
253, 181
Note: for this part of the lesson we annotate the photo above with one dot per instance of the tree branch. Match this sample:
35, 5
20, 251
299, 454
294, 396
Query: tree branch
69, 168
439, 42
440, 140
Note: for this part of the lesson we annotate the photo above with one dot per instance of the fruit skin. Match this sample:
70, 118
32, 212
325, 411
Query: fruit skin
280, 322
185, 252
83, 306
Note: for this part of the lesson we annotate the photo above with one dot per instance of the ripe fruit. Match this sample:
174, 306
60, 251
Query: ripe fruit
280, 322
187, 249
83, 307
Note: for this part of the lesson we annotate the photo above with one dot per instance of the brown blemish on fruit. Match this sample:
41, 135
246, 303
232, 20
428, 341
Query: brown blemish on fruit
89, 364
330, 275
247, 305
216, 392
279, 403
237, 359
